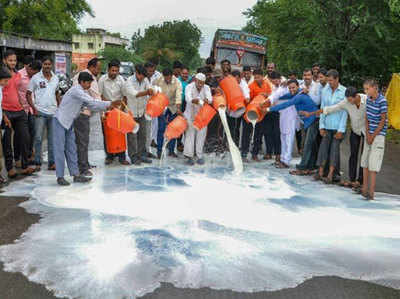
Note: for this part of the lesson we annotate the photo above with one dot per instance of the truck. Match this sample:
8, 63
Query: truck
240, 48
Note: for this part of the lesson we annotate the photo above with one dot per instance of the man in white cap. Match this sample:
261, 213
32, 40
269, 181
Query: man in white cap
196, 94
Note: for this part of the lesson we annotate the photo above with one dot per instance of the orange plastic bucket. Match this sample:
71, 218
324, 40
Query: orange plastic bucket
115, 141
176, 128
121, 121
204, 116
156, 105
254, 111
233, 93
219, 101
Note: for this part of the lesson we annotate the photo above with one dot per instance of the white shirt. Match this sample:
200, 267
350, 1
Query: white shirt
111, 89
131, 88
157, 75
44, 92
191, 93
289, 119
314, 91
357, 115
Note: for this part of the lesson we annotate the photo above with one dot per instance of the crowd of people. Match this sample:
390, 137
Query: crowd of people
311, 112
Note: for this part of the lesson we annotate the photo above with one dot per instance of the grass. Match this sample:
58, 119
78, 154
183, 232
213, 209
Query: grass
393, 136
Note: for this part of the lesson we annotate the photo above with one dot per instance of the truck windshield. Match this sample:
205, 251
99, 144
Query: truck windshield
249, 59
125, 70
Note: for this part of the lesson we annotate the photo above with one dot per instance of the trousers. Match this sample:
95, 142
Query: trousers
194, 139
163, 121
287, 143
137, 142
43, 121
19, 123
64, 149
82, 131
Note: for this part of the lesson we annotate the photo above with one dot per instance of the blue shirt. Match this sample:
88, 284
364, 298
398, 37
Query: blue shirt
334, 121
72, 102
302, 102
374, 110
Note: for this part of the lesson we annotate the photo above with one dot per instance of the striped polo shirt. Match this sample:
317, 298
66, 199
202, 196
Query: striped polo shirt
374, 110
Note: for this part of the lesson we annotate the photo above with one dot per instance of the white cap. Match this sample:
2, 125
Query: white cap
201, 77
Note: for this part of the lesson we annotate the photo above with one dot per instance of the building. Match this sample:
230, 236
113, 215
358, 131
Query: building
60, 51
87, 45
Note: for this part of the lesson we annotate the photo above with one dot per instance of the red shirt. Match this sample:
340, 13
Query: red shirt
10, 94
255, 89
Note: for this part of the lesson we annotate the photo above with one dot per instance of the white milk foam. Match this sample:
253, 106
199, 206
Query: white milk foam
134, 227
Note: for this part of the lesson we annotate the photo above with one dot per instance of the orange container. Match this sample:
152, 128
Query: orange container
219, 101
176, 128
253, 109
121, 121
115, 141
233, 93
204, 116
156, 105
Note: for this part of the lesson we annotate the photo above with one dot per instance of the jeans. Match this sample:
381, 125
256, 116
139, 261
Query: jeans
19, 123
355, 142
43, 121
309, 155
329, 151
137, 142
109, 156
163, 121
64, 149
82, 131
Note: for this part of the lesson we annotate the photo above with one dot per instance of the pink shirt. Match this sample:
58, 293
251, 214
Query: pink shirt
22, 89
10, 94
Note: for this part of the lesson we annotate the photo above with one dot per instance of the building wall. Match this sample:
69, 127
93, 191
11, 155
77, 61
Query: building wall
86, 46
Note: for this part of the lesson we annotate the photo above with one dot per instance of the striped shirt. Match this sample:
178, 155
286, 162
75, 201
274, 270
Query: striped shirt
374, 110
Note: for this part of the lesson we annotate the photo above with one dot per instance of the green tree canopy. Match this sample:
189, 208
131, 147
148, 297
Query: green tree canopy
357, 37
123, 55
169, 41
52, 19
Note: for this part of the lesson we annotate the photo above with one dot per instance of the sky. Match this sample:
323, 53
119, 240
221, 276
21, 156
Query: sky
126, 16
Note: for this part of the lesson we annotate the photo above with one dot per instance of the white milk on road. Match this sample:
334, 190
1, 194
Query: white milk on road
235, 153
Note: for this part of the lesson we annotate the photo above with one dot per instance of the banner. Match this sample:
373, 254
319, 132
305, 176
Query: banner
393, 98
61, 63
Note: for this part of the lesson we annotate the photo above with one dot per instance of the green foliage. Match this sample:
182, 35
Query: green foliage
119, 53
164, 43
50, 19
359, 38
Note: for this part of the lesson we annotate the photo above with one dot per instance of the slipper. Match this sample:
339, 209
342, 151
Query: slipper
281, 165
28, 172
328, 180
345, 184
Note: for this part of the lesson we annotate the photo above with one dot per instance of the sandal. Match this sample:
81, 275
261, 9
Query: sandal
27, 172
317, 177
12, 174
345, 184
297, 172
328, 180
281, 165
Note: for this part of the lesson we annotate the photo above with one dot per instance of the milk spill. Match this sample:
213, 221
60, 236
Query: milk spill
235, 153
163, 152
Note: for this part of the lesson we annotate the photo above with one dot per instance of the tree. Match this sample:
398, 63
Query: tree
122, 54
359, 38
51, 19
169, 41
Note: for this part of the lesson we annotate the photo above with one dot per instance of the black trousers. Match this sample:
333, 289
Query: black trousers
234, 128
247, 133
299, 140
82, 130
215, 136
356, 142
268, 129
31, 128
19, 123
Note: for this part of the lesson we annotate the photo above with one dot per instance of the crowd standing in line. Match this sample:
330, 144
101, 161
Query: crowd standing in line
311, 112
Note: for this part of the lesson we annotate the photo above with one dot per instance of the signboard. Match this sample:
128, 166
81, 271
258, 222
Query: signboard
241, 39
61, 63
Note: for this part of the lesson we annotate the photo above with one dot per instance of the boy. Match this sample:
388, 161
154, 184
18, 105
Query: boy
4, 77
63, 127
374, 144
